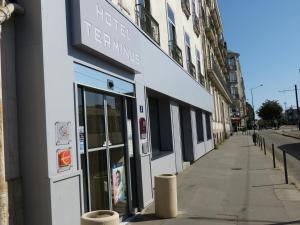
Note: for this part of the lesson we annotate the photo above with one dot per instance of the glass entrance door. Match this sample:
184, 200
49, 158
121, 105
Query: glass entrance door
102, 150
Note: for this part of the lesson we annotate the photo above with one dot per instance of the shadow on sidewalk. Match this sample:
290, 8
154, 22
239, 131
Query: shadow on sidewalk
238, 220
292, 149
144, 218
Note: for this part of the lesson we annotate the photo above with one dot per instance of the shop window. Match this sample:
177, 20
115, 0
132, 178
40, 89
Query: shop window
199, 124
160, 127
208, 126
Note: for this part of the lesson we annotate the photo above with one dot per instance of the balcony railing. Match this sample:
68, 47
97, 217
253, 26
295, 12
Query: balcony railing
210, 30
175, 52
186, 7
196, 25
233, 80
191, 68
201, 78
235, 96
203, 16
214, 68
148, 23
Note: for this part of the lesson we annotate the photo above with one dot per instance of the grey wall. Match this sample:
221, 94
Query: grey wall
31, 114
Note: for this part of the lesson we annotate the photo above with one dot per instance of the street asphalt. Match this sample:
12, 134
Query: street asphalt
291, 146
235, 184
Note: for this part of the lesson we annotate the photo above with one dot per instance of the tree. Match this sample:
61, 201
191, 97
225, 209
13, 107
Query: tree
270, 110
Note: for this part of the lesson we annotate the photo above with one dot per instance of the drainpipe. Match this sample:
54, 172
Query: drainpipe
6, 12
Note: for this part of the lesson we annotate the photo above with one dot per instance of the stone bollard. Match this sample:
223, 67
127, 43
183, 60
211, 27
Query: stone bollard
166, 196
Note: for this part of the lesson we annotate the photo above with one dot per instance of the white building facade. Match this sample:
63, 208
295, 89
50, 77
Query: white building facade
102, 96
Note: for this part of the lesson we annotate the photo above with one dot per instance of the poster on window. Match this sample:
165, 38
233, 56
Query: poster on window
119, 184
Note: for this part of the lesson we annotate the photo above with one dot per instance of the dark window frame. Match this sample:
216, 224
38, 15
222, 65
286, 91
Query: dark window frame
208, 126
199, 126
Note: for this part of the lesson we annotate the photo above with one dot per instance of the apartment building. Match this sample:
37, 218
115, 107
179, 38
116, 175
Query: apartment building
216, 68
104, 95
238, 112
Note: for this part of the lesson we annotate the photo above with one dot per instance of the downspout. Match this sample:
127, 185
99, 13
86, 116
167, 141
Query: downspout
6, 12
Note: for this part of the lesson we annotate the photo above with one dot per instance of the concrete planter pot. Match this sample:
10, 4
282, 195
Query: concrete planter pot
166, 196
101, 217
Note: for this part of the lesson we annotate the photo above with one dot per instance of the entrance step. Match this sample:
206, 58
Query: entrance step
186, 165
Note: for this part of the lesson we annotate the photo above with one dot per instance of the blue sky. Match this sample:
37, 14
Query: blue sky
267, 35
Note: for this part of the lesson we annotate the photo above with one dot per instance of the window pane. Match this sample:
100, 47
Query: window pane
208, 126
85, 181
199, 123
95, 119
171, 15
118, 178
98, 179
154, 125
115, 120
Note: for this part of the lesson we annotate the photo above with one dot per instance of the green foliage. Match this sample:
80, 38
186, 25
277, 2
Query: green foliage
270, 110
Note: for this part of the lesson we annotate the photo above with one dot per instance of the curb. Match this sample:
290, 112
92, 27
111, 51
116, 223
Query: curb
289, 135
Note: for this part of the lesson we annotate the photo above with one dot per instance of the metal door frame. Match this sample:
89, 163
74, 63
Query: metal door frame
106, 148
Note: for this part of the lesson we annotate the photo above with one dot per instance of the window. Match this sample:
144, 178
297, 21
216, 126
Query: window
187, 43
199, 124
232, 76
231, 62
190, 66
171, 25
208, 126
154, 124
160, 126
193, 8
200, 75
234, 92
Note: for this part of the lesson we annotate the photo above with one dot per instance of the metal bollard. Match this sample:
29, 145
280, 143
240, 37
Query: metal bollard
285, 168
264, 142
260, 143
273, 153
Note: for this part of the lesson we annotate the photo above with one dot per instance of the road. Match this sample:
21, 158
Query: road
288, 144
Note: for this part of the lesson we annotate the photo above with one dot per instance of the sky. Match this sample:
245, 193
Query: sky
266, 33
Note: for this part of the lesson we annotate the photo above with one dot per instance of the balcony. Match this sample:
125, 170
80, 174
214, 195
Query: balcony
203, 16
235, 96
232, 67
233, 81
216, 74
191, 68
215, 14
201, 78
175, 52
210, 31
219, 55
148, 23
196, 25
186, 7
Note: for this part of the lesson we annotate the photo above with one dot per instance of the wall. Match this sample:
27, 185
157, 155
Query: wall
45, 90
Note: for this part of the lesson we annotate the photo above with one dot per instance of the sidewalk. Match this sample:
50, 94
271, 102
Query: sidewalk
232, 185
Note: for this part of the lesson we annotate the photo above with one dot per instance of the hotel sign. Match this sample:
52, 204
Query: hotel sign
99, 27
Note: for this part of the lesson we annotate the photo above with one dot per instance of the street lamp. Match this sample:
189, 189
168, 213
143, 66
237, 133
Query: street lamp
253, 103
